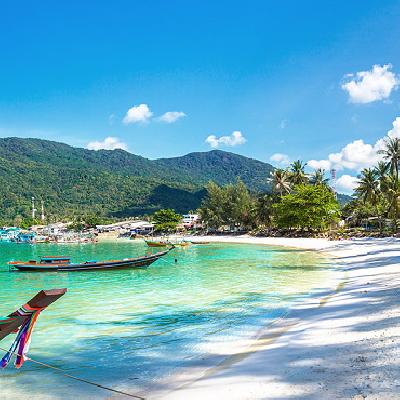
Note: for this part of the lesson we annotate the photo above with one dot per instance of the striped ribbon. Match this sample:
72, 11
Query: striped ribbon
20, 346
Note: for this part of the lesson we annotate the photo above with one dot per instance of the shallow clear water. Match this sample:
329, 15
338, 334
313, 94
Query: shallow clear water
132, 327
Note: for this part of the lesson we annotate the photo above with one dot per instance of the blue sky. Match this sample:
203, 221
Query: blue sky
272, 74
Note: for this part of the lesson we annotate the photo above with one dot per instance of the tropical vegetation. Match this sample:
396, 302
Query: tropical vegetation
378, 191
298, 201
166, 220
75, 183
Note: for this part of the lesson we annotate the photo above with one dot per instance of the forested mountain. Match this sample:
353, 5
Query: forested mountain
221, 167
73, 181
344, 198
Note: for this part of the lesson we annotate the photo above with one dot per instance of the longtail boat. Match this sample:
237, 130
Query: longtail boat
22, 322
63, 263
152, 243
183, 244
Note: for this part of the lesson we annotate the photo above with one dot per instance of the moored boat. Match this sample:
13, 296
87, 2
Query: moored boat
183, 244
152, 243
63, 263
23, 321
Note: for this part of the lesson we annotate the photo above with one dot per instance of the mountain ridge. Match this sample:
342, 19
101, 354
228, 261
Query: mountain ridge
72, 180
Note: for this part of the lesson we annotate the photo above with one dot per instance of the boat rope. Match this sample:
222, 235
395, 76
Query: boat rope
62, 372
169, 262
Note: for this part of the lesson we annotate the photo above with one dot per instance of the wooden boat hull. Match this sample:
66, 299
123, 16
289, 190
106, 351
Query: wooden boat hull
43, 299
156, 244
91, 266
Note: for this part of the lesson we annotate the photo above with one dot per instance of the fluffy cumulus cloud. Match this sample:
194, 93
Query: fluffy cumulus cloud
109, 143
323, 164
357, 154
171, 116
346, 183
140, 113
395, 131
373, 85
234, 139
280, 159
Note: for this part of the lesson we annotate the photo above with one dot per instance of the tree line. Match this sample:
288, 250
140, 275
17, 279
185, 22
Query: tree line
378, 189
297, 201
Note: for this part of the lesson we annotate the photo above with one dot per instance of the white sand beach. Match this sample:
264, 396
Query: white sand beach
344, 344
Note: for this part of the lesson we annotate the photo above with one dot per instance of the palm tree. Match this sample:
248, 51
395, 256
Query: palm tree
391, 153
381, 171
318, 177
393, 195
297, 174
368, 191
280, 181
368, 186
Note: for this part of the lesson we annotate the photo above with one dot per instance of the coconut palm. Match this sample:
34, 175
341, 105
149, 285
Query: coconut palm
391, 153
393, 196
280, 181
381, 171
368, 191
297, 174
318, 177
368, 186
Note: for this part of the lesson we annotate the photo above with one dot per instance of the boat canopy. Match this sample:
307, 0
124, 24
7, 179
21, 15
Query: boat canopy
51, 259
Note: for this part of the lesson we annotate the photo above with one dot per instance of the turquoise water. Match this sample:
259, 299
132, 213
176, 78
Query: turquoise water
130, 328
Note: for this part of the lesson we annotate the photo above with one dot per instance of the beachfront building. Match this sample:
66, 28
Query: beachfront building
55, 229
25, 237
8, 234
142, 228
126, 227
192, 221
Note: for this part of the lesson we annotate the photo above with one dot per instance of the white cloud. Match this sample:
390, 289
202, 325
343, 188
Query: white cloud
346, 183
109, 143
357, 154
140, 113
323, 164
373, 85
234, 139
280, 158
395, 131
171, 116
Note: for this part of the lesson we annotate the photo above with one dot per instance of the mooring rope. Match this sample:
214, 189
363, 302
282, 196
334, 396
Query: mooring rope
169, 262
77, 378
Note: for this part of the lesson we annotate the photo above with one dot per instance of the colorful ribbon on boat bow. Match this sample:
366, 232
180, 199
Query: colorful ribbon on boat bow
20, 346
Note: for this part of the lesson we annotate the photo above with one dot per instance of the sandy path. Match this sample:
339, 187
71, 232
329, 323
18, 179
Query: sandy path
345, 345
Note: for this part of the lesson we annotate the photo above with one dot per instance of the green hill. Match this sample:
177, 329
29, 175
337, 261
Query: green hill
73, 181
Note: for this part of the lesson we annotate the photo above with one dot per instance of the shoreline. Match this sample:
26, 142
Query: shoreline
297, 243
275, 365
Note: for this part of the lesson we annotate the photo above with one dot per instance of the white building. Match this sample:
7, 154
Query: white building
192, 221
141, 227
55, 229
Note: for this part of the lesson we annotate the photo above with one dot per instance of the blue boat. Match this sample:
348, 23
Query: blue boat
63, 263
